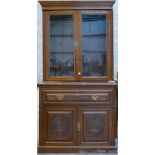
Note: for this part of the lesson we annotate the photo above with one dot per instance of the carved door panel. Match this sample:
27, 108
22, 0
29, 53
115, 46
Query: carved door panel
95, 124
60, 126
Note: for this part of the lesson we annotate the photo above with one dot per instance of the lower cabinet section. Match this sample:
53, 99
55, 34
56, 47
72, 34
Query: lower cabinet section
78, 129
85, 124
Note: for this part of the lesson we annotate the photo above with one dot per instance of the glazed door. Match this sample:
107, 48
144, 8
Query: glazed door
95, 126
96, 45
60, 31
78, 45
60, 126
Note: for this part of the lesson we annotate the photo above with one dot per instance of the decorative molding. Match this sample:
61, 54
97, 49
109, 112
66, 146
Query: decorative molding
76, 4
94, 126
59, 127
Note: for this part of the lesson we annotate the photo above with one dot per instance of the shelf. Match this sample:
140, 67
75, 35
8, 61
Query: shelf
84, 51
92, 18
61, 35
85, 35
64, 52
94, 35
87, 51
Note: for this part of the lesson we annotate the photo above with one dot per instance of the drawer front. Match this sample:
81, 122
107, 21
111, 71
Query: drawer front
69, 97
78, 97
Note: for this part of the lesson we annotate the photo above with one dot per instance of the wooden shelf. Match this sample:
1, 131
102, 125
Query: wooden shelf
64, 52
61, 35
94, 35
85, 35
87, 51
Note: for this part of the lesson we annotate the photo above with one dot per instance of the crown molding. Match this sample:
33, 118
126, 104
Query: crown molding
76, 4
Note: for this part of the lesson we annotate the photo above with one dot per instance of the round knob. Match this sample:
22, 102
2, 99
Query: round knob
79, 73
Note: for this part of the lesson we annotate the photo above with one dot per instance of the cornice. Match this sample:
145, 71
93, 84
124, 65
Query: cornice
76, 4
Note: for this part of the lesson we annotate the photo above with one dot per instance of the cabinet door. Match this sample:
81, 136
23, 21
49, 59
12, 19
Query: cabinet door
60, 126
96, 45
59, 45
95, 126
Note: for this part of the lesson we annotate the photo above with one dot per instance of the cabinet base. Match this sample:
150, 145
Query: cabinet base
77, 149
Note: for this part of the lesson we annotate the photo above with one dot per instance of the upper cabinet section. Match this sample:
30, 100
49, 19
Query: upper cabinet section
77, 43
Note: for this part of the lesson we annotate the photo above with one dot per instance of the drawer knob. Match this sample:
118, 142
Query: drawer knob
59, 97
94, 98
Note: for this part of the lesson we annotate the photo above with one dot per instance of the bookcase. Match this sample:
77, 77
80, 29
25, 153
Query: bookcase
78, 94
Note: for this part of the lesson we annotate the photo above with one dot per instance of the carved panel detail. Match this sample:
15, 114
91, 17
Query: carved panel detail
59, 127
94, 125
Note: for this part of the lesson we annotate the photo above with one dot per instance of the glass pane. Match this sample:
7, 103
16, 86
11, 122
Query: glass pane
61, 45
93, 45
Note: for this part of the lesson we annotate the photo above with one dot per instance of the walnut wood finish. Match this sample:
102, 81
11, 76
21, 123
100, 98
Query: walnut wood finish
52, 97
60, 126
76, 4
77, 124
78, 51
95, 124
77, 114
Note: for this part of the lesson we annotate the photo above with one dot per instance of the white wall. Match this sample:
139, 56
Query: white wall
115, 29
40, 43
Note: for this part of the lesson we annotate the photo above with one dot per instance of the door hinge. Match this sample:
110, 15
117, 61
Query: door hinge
78, 126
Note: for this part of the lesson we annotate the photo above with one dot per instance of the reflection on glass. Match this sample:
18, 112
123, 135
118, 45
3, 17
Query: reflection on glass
61, 47
93, 45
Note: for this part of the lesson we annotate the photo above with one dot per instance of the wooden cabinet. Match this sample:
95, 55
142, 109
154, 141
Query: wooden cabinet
77, 97
77, 116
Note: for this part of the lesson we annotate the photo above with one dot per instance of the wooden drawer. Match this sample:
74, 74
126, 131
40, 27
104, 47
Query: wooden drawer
70, 97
